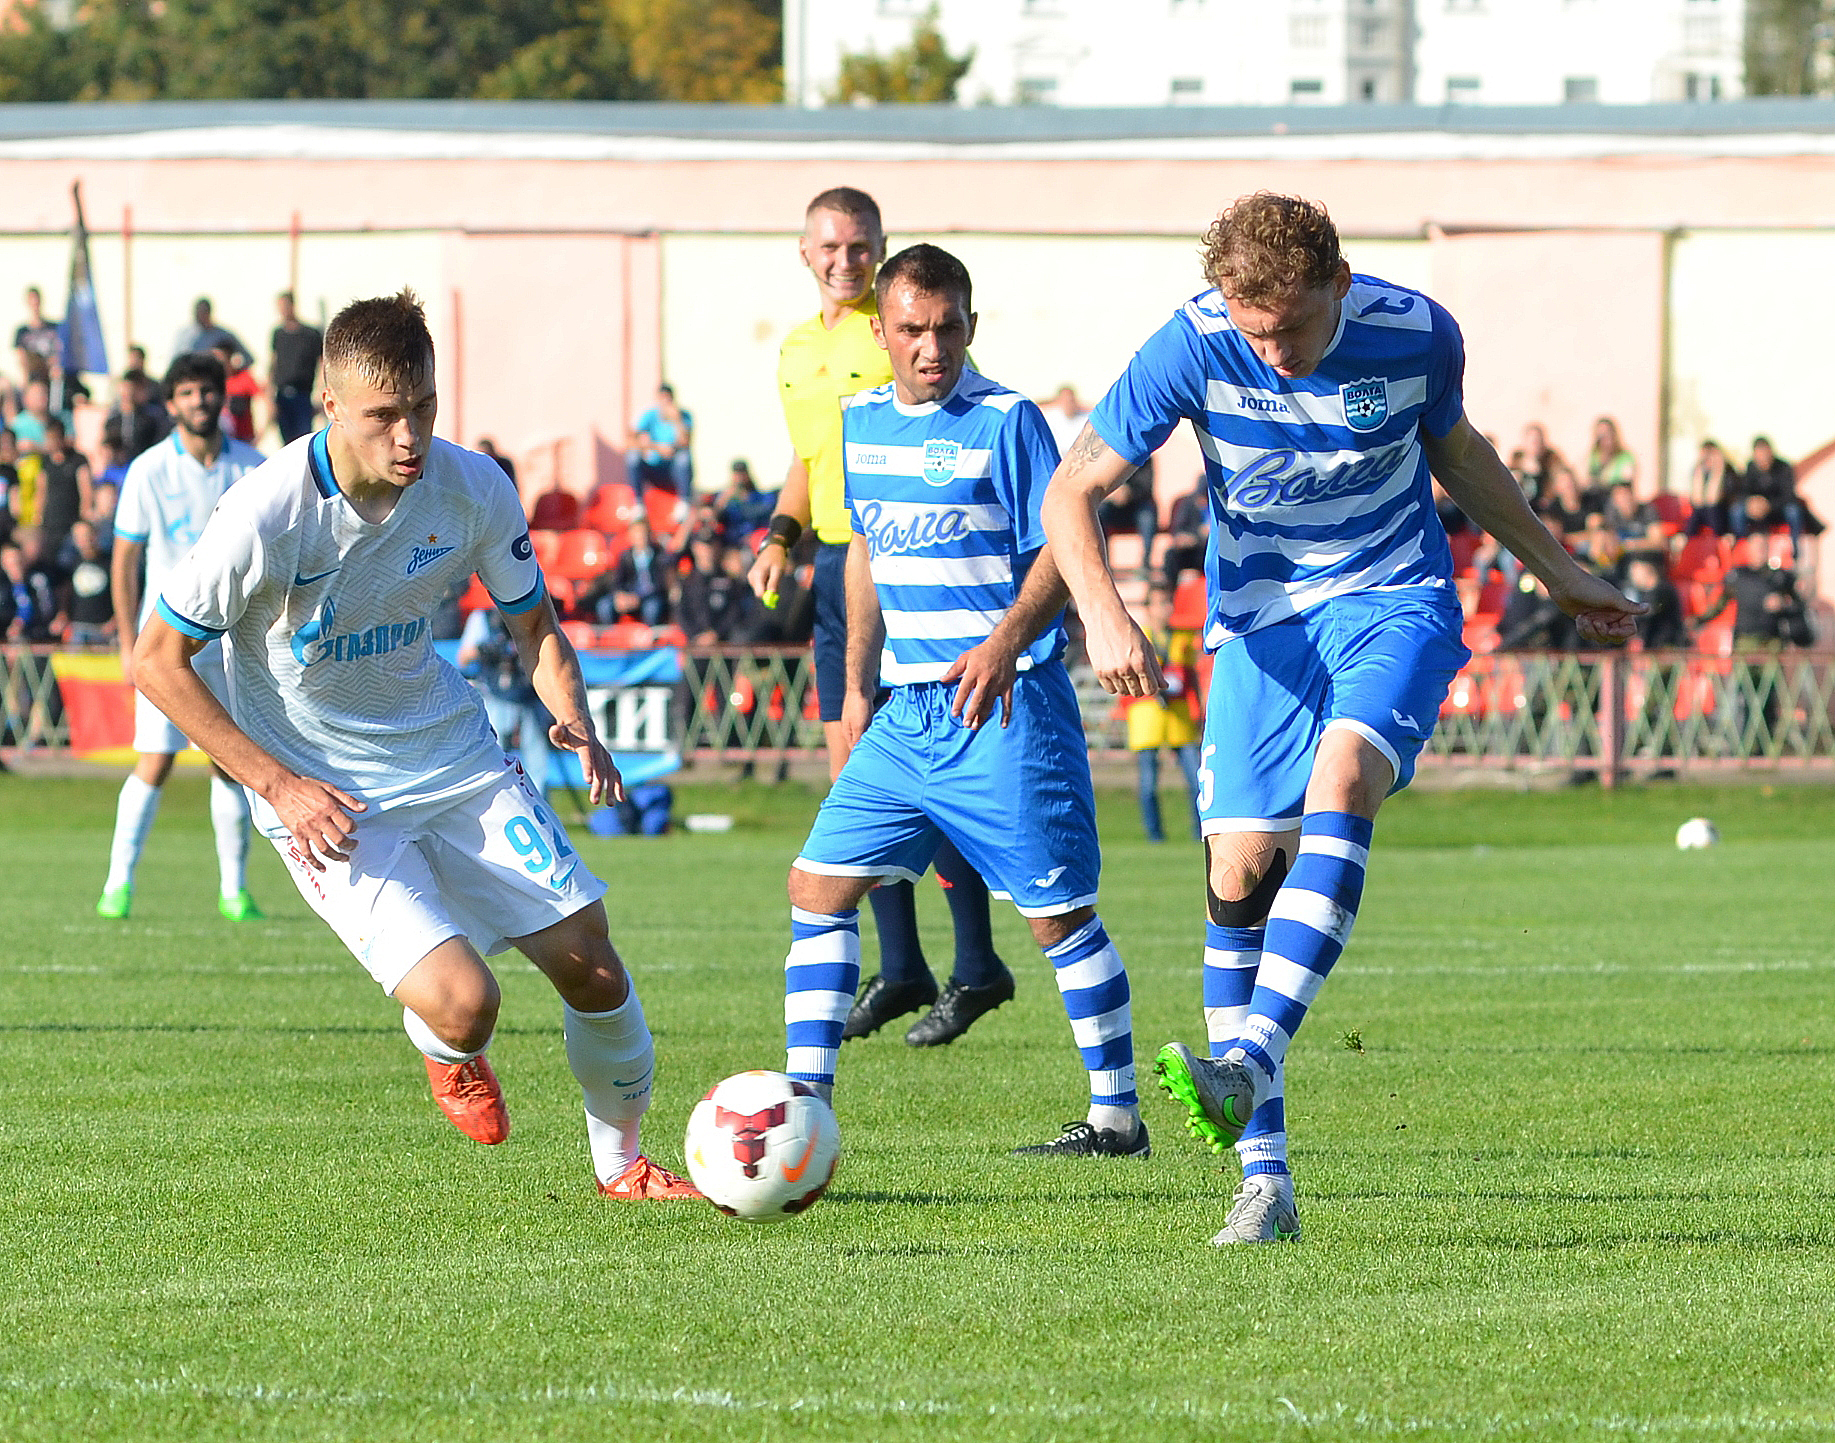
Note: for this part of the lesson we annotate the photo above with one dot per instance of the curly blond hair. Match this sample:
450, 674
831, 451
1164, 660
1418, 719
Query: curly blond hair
1266, 247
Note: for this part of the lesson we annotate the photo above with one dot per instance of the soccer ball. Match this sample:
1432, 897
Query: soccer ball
762, 1146
1696, 833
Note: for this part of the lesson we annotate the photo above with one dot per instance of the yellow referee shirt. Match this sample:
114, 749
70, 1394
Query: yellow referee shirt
815, 369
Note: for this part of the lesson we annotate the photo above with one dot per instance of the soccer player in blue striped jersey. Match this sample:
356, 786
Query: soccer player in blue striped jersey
1322, 401
955, 606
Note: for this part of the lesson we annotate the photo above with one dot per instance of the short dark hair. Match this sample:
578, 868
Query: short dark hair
929, 269
55, 423
845, 200
385, 340
199, 366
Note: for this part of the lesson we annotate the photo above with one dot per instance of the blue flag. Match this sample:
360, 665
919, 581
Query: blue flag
82, 327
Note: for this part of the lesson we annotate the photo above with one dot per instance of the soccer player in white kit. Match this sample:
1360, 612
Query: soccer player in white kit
165, 499
370, 760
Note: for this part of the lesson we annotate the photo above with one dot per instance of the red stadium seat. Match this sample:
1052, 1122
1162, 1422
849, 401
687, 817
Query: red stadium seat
476, 598
1188, 604
1673, 512
547, 546
1699, 559
669, 635
1465, 545
627, 636
665, 512
610, 508
583, 555
581, 633
555, 510
1716, 638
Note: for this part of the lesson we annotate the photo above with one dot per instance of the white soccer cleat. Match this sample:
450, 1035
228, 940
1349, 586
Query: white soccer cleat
1262, 1211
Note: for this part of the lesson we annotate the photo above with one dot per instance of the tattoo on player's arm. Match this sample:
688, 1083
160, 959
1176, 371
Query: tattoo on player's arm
1087, 448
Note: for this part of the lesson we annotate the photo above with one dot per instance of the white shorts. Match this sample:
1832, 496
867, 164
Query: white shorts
489, 866
153, 731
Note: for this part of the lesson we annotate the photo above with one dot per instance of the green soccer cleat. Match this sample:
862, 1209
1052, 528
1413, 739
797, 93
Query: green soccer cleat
240, 908
1261, 1212
116, 904
1218, 1096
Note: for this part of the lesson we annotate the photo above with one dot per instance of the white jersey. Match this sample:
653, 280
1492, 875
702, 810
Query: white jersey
331, 668
167, 497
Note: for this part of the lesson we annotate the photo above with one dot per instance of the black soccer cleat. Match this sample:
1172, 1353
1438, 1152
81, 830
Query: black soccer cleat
957, 1009
881, 1001
1079, 1139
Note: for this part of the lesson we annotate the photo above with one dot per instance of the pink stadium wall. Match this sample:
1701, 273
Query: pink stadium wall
1562, 327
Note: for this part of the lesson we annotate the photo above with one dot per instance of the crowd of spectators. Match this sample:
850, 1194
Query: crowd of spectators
57, 505
1723, 566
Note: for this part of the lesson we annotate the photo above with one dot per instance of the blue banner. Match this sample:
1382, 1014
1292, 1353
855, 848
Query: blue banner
81, 328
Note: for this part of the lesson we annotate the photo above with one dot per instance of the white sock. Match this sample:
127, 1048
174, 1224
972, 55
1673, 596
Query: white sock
1114, 1118
229, 818
134, 815
431, 1043
612, 1055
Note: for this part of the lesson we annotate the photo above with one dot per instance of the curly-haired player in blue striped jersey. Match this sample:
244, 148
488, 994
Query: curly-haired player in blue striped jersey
953, 603
1322, 401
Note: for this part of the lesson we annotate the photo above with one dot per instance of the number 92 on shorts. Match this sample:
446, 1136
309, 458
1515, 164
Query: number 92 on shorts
489, 866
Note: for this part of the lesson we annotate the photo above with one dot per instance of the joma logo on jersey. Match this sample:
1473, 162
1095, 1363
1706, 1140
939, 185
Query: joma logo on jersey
1274, 479
424, 556
940, 460
1262, 403
1366, 403
933, 528
318, 640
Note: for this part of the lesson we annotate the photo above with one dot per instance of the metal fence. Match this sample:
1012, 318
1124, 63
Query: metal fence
1615, 714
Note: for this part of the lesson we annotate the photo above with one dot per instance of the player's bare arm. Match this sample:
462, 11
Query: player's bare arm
124, 582
318, 815
1482, 486
553, 667
1125, 661
866, 635
767, 574
987, 672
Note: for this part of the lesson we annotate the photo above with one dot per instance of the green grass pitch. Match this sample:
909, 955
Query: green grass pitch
1579, 1179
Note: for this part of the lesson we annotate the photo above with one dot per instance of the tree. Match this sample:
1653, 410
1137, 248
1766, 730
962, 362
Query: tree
1787, 47
707, 50
704, 50
922, 72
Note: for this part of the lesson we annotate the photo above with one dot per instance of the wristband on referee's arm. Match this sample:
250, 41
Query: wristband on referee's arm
785, 529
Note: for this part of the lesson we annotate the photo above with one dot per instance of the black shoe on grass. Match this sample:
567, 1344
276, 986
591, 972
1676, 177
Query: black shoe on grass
881, 1001
957, 1009
1079, 1139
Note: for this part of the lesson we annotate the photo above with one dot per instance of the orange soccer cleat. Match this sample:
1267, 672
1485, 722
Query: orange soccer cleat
644, 1181
469, 1095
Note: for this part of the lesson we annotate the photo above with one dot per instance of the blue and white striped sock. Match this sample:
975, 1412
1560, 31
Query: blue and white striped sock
1308, 925
1231, 957
821, 975
1095, 988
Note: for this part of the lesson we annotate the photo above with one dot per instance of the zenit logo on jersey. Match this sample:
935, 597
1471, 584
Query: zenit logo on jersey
947, 496
423, 556
1318, 484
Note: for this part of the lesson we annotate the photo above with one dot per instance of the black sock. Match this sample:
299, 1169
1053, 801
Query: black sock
901, 955
976, 964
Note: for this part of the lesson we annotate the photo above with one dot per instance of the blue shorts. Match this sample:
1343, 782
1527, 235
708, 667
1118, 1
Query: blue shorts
1015, 800
1376, 662
830, 586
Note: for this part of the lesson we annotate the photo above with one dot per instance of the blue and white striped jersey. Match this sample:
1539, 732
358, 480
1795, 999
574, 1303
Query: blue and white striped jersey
1318, 486
947, 496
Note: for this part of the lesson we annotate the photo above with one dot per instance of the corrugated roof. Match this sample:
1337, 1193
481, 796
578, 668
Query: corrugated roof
921, 124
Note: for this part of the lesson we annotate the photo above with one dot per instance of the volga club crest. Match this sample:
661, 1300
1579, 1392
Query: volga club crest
940, 458
1366, 404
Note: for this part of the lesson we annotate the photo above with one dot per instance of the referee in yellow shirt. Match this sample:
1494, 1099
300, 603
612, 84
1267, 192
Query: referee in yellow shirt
831, 355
